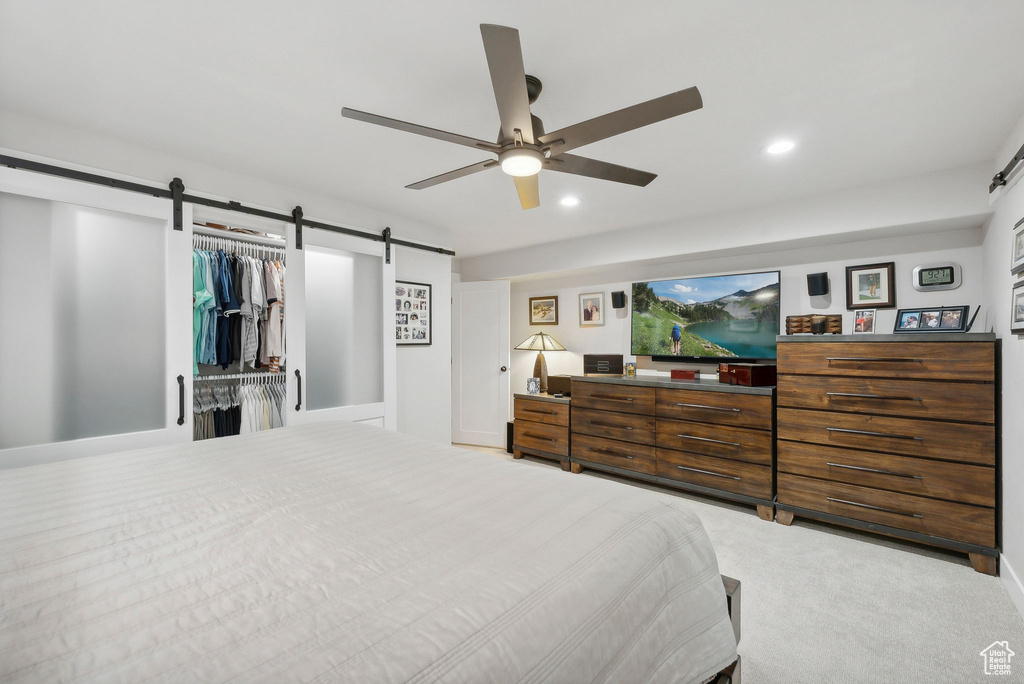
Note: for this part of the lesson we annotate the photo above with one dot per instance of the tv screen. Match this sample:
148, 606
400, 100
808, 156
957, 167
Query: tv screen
710, 319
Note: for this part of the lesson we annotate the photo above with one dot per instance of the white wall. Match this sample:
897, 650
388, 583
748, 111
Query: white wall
423, 388
425, 373
962, 247
998, 283
921, 205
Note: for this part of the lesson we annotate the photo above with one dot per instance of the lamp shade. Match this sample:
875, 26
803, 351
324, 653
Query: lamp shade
541, 342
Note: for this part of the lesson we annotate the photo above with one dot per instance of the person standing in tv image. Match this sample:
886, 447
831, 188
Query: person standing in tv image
677, 340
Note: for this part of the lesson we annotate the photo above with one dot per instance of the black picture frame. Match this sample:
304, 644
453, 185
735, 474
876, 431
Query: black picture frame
1017, 249
932, 319
852, 289
1016, 314
413, 303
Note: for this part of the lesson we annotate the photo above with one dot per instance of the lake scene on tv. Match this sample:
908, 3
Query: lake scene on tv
717, 316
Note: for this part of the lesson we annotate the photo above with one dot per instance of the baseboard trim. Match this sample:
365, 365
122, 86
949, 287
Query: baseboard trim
1011, 580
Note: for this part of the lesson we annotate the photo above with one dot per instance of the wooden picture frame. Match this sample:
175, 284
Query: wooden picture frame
1017, 309
591, 309
544, 310
871, 286
1017, 249
932, 319
414, 320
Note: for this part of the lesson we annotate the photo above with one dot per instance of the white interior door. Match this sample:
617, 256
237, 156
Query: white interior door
338, 335
480, 361
97, 320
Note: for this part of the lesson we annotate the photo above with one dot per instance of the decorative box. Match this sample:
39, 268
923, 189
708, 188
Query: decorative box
748, 374
684, 374
796, 325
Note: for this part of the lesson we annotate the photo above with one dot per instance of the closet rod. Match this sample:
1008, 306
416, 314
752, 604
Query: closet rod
167, 193
239, 376
237, 237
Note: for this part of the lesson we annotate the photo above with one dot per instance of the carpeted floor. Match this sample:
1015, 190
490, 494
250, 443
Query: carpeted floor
824, 604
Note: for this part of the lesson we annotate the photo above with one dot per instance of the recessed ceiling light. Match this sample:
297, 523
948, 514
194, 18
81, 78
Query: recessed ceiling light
780, 147
569, 201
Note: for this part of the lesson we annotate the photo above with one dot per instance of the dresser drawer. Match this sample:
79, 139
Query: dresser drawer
740, 444
612, 452
542, 411
957, 401
971, 484
612, 397
718, 473
972, 361
722, 408
628, 427
552, 439
921, 438
960, 522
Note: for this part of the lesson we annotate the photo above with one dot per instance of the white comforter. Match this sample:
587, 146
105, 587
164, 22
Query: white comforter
344, 553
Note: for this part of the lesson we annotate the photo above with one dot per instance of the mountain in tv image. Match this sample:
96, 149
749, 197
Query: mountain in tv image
722, 316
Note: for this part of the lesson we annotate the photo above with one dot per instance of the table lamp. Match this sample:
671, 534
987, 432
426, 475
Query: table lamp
540, 342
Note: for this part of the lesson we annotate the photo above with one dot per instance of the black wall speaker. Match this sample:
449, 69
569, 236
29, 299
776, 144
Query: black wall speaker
618, 300
817, 284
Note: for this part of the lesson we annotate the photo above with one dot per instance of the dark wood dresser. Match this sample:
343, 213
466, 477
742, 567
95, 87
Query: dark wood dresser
895, 434
697, 435
541, 427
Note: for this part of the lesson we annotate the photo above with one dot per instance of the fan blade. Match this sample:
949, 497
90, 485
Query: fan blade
529, 191
452, 175
508, 77
628, 119
419, 130
582, 166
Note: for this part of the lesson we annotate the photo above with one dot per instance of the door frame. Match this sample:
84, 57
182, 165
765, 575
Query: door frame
178, 313
459, 436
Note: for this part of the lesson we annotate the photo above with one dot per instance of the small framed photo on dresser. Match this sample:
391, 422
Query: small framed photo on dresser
1017, 309
413, 314
932, 319
863, 321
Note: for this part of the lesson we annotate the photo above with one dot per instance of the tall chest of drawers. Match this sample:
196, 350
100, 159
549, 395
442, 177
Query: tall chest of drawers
700, 436
894, 434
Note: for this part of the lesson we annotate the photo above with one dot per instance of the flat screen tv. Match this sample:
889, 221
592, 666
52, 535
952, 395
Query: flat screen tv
713, 319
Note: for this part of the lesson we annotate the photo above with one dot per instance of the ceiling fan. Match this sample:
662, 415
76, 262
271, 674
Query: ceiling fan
522, 147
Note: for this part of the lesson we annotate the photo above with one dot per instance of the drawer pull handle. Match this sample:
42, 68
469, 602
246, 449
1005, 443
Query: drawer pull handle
874, 434
611, 397
613, 453
546, 413
713, 441
874, 508
873, 359
854, 395
710, 408
609, 425
709, 472
874, 470
547, 439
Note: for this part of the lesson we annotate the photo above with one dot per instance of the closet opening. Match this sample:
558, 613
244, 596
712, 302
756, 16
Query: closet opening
238, 331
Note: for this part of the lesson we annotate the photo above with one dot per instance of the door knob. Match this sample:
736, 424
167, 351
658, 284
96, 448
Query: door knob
503, 369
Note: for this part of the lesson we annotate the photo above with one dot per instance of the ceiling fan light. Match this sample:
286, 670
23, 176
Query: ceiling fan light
521, 162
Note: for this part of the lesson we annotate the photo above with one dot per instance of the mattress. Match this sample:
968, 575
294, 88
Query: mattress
339, 552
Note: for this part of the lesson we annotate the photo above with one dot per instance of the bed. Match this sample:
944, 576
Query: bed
339, 552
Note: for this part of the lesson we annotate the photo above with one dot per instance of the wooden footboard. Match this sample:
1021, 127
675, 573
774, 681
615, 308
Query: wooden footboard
731, 674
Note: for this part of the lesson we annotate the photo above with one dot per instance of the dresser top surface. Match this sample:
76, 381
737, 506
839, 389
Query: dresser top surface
702, 384
543, 397
898, 337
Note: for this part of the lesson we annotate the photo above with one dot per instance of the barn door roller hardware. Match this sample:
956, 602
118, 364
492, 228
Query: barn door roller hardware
1000, 178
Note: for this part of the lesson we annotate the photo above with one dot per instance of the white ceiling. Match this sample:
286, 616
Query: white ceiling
870, 90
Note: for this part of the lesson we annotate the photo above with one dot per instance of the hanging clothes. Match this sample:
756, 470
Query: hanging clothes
238, 309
